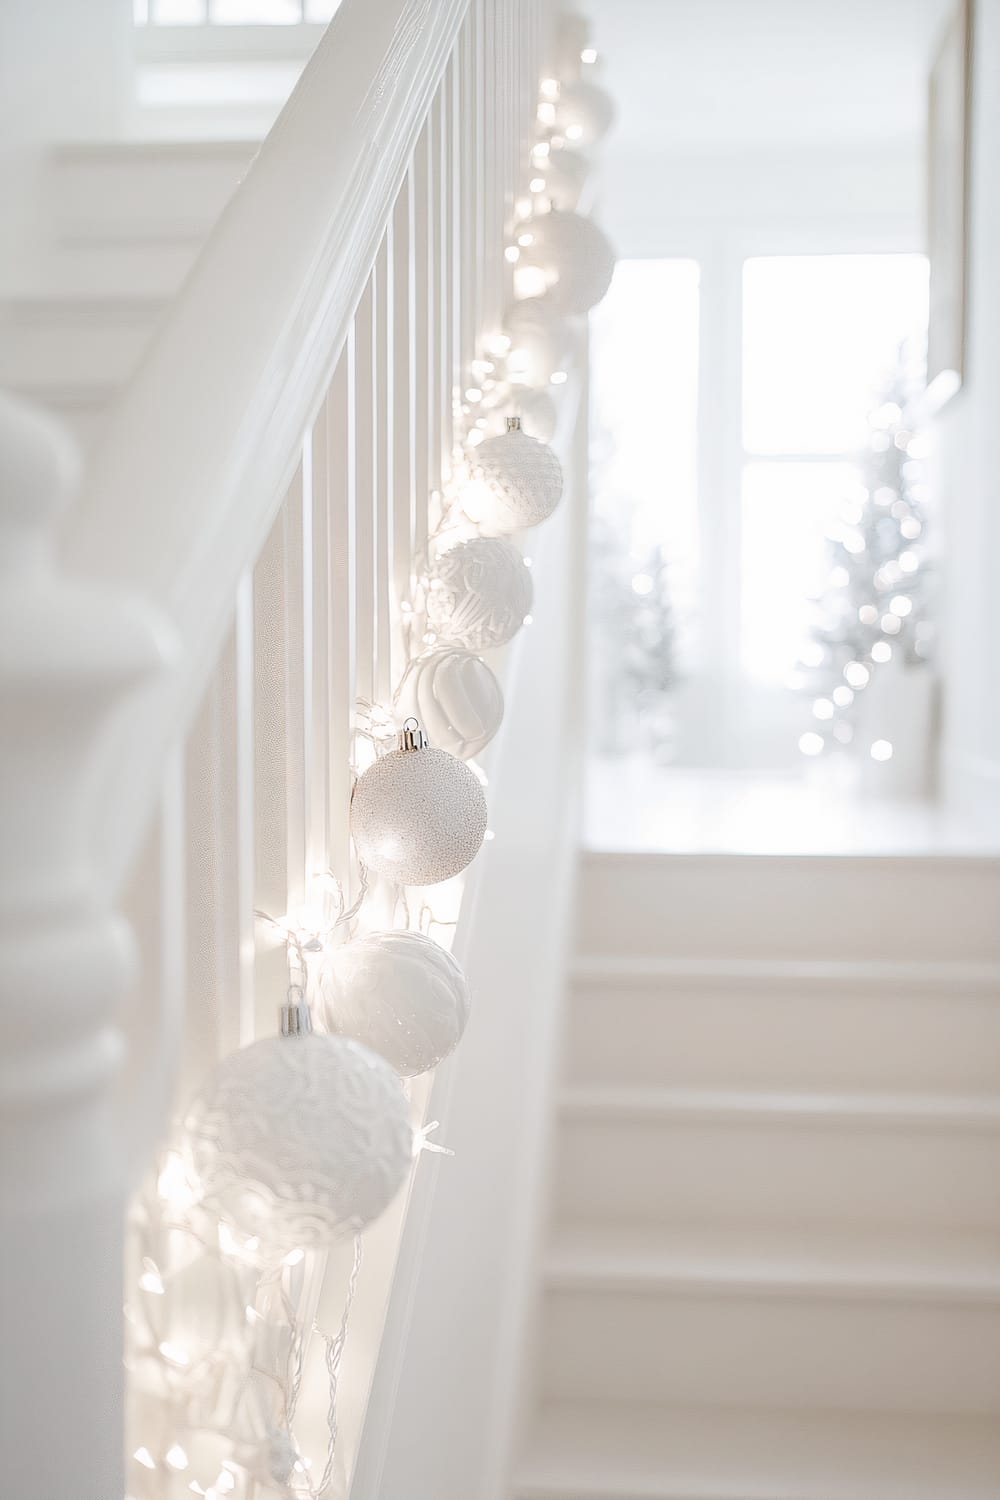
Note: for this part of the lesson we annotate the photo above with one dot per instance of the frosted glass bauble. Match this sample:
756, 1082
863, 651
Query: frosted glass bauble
576, 257
566, 174
522, 478
418, 816
456, 697
400, 994
585, 113
297, 1141
479, 593
538, 340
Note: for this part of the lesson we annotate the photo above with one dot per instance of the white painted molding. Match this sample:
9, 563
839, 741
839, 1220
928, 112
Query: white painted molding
180, 494
69, 655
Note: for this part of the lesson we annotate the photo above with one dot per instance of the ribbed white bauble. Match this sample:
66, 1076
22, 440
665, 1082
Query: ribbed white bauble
575, 256
418, 816
300, 1140
522, 478
456, 697
479, 593
538, 341
565, 173
399, 993
585, 113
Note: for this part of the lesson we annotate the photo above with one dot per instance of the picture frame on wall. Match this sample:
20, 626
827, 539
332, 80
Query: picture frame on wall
949, 109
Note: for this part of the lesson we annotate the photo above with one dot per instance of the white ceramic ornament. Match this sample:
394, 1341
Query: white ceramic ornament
299, 1140
478, 593
566, 174
537, 411
399, 993
585, 113
418, 816
538, 340
576, 257
522, 479
456, 697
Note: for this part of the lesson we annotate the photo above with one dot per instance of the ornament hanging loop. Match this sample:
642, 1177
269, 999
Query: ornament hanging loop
411, 736
295, 1017
513, 424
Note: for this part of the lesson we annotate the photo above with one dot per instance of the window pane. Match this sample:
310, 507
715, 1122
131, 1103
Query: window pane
644, 545
788, 510
820, 335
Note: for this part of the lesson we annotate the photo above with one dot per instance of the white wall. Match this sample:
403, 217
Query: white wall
64, 73
969, 473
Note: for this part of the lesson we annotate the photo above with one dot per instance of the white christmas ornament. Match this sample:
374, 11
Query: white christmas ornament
456, 697
538, 414
522, 477
566, 174
585, 113
479, 593
298, 1140
418, 816
538, 339
400, 994
576, 257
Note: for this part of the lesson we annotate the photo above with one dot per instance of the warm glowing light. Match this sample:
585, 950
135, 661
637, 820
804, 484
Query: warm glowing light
176, 1457
151, 1280
529, 281
173, 1184
901, 605
549, 88
294, 1257
175, 1354
822, 708
881, 750
881, 651
512, 254
528, 620
558, 377
498, 344
546, 114
909, 562
856, 674
843, 697
910, 528
524, 240
811, 654
537, 185
891, 624
588, 55
144, 1457
574, 132
489, 836
868, 614
811, 744
541, 150
473, 394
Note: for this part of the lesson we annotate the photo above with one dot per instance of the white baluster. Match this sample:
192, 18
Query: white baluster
68, 656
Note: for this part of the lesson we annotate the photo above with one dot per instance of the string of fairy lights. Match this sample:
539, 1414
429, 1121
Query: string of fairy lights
300, 1140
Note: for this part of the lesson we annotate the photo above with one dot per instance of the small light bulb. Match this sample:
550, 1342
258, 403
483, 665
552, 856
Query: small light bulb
512, 254
176, 1457
811, 744
549, 88
881, 651
537, 185
558, 377
528, 620
175, 1354
588, 56
524, 240
881, 750
144, 1457
574, 132
546, 114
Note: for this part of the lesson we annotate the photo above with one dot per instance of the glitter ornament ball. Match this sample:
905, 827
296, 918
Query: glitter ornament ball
456, 697
299, 1140
399, 993
576, 257
479, 593
538, 341
523, 479
585, 113
418, 816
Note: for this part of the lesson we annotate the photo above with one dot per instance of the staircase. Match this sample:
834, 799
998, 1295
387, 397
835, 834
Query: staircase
123, 223
773, 1270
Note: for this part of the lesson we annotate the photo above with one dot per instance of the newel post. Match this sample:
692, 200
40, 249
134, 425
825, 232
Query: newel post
69, 654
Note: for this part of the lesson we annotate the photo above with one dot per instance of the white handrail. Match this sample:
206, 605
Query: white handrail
182, 491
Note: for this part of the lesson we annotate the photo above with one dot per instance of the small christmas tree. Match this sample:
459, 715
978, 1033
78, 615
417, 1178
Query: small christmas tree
874, 609
634, 638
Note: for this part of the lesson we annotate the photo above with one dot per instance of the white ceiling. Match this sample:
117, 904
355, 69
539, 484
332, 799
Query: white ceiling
697, 76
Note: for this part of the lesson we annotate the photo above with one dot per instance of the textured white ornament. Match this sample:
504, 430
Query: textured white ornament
566, 174
456, 697
538, 341
479, 593
418, 816
585, 113
576, 257
522, 477
300, 1140
399, 993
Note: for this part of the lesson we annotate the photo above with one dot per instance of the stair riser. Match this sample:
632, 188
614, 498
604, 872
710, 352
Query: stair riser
772, 1352
677, 1171
52, 352
790, 907
143, 193
784, 1037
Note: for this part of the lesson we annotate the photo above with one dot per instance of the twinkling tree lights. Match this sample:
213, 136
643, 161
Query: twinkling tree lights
874, 610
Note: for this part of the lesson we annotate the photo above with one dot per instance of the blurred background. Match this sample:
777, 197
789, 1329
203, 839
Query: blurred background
779, 518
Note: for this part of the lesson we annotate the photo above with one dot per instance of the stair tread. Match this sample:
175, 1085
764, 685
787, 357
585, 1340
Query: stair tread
599, 969
580, 1450
631, 1102
785, 1259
